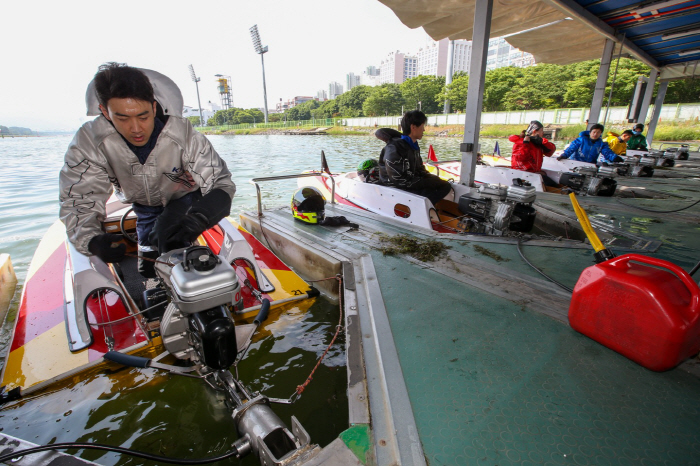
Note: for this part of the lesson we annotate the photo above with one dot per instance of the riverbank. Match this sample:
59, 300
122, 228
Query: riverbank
677, 132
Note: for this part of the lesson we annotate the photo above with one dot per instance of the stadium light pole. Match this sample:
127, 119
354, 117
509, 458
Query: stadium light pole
259, 49
196, 83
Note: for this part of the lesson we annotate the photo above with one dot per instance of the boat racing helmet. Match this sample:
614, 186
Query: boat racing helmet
308, 205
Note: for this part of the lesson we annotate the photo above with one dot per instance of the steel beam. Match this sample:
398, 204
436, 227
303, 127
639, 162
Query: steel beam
450, 71
475, 94
599, 92
646, 100
658, 103
576, 11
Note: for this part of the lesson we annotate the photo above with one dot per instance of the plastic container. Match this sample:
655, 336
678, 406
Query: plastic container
644, 308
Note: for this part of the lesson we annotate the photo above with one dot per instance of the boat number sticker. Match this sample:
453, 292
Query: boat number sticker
297, 292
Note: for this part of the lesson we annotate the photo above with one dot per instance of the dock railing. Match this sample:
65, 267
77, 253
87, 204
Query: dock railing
255, 182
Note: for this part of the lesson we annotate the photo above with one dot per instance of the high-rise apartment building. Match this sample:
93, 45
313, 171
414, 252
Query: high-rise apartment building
398, 67
433, 59
501, 54
334, 90
321, 95
351, 81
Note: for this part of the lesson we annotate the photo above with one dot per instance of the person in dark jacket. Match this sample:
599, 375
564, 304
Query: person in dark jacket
400, 163
590, 147
637, 141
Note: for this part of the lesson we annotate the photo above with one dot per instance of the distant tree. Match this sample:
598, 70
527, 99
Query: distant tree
627, 73
423, 89
456, 92
350, 103
326, 109
683, 91
243, 116
497, 83
194, 120
541, 86
384, 100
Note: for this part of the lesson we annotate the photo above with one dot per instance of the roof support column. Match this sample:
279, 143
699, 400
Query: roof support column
658, 103
475, 94
646, 100
450, 71
599, 92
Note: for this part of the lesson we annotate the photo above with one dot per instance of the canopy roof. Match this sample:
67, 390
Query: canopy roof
664, 34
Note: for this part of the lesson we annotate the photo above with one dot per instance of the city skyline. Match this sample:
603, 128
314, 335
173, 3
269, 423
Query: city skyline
43, 86
56, 50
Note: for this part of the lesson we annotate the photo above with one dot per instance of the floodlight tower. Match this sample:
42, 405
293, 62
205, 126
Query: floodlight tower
196, 83
259, 49
225, 91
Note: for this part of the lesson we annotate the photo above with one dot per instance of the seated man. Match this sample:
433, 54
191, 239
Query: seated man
177, 183
400, 163
589, 147
637, 141
617, 143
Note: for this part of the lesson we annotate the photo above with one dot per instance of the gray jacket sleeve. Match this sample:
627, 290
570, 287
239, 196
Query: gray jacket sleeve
84, 188
206, 167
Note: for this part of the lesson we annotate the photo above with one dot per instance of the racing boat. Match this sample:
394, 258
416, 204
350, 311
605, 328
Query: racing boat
484, 209
79, 315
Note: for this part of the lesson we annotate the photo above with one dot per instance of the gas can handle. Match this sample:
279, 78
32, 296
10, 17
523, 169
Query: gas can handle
670, 266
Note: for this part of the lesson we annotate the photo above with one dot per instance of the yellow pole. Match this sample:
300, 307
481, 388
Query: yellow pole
586, 224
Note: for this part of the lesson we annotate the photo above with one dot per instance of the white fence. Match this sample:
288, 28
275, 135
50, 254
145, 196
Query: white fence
561, 116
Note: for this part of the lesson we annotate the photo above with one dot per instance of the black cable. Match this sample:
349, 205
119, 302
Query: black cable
658, 211
541, 272
694, 269
126, 451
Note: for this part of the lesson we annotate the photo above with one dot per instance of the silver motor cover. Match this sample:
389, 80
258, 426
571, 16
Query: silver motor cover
198, 279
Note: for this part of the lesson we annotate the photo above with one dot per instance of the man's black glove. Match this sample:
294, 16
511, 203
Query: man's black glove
175, 229
107, 247
618, 159
184, 232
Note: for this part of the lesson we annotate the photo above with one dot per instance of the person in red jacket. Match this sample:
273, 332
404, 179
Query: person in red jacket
528, 149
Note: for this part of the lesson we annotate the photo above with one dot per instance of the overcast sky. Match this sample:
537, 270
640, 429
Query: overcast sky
51, 50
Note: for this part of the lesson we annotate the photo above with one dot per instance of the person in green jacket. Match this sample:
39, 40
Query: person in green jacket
637, 141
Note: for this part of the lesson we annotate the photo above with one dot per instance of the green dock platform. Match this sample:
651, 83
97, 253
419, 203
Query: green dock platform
469, 359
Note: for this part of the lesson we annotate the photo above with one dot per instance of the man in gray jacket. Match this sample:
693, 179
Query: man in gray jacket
173, 177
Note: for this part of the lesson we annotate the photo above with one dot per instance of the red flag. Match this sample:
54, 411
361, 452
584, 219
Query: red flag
324, 164
431, 154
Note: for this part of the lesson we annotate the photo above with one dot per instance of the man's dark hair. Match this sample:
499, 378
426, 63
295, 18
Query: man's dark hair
414, 117
639, 126
628, 131
117, 80
597, 126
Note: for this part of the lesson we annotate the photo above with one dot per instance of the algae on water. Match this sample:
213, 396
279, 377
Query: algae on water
424, 250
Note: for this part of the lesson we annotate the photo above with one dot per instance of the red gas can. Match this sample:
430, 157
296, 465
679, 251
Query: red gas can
644, 308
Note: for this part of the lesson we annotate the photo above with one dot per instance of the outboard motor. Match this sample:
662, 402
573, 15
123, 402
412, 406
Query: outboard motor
497, 209
591, 180
607, 175
198, 326
678, 153
641, 164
